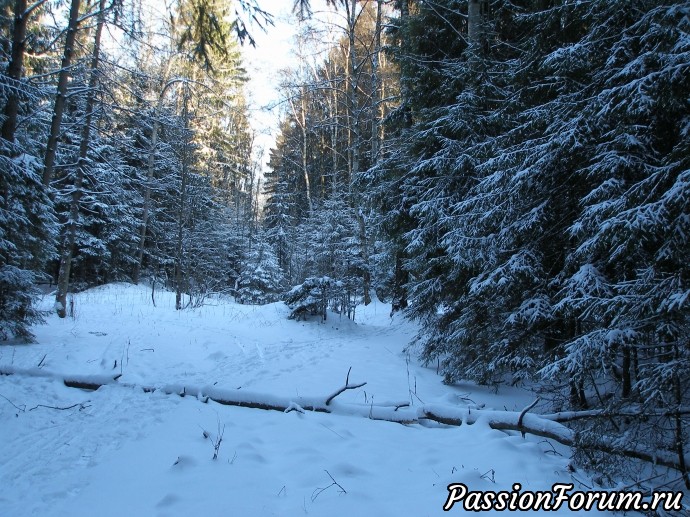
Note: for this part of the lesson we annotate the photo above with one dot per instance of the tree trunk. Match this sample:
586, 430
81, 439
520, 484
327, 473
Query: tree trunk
61, 96
354, 122
376, 86
355, 136
146, 208
14, 70
405, 55
627, 372
680, 437
364, 243
179, 255
303, 125
14, 67
679, 425
332, 102
475, 21
72, 224
147, 198
399, 280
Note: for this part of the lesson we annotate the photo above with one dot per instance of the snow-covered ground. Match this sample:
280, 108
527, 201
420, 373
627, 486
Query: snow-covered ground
121, 451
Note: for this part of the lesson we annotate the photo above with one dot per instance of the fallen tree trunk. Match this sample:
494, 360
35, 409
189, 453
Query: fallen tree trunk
391, 412
549, 426
86, 382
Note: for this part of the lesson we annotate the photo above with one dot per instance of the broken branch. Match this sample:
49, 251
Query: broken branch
80, 404
347, 386
524, 412
317, 492
22, 408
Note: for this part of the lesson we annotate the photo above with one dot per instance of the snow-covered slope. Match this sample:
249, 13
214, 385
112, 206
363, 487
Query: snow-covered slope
121, 451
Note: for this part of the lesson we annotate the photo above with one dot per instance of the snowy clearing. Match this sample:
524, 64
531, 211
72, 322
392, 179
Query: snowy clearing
120, 450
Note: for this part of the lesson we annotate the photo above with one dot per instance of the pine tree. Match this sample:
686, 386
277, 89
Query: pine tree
540, 196
26, 226
27, 220
627, 277
261, 279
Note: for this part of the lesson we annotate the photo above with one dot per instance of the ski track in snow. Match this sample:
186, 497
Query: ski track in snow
126, 452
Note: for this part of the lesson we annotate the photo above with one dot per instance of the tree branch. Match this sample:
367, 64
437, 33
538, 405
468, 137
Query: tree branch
80, 404
347, 386
524, 412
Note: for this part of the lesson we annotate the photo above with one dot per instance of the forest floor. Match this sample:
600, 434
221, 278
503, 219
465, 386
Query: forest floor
122, 451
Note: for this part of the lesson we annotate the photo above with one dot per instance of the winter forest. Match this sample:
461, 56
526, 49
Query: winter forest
508, 181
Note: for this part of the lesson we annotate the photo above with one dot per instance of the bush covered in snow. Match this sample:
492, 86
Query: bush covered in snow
311, 297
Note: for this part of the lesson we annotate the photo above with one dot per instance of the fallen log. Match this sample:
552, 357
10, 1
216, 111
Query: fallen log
85, 382
393, 412
550, 426
89, 382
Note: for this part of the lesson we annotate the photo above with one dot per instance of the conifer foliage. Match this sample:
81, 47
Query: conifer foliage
540, 202
26, 225
147, 164
317, 216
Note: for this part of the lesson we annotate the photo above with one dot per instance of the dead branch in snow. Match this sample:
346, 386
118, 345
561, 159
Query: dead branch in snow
294, 407
572, 416
317, 492
278, 405
81, 405
524, 412
85, 382
549, 428
21, 408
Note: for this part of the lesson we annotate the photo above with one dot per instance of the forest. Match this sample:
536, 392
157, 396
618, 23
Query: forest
511, 175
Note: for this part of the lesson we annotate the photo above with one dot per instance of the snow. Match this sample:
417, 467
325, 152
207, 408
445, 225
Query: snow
121, 450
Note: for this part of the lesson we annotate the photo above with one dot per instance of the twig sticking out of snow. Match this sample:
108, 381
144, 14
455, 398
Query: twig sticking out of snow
489, 475
317, 492
21, 408
218, 440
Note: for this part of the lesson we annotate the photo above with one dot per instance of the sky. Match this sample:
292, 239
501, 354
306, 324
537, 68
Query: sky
275, 51
272, 53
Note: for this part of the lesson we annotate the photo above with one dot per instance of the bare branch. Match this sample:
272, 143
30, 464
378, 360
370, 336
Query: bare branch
524, 412
347, 386
18, 408
81, 405
317, 492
